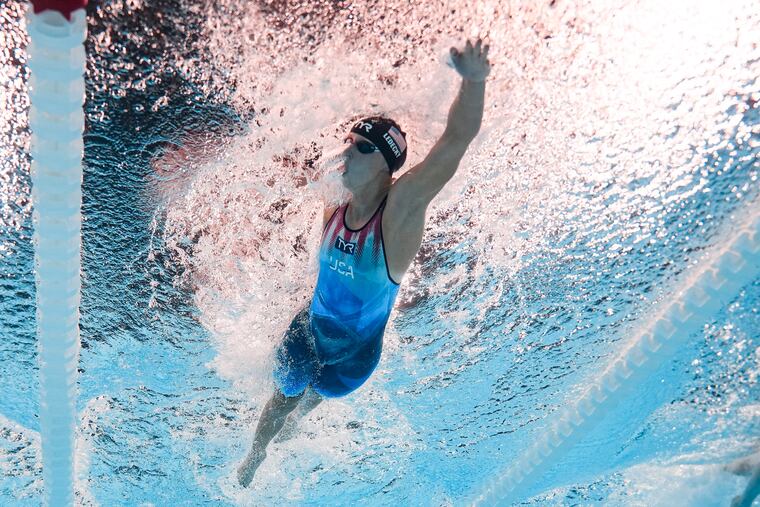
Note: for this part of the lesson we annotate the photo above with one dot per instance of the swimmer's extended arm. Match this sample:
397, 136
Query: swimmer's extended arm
423, 182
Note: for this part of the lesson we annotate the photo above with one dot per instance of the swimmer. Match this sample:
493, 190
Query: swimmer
748, 466
334, 343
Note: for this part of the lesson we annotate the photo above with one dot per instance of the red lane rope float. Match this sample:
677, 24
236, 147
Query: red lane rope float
65, 7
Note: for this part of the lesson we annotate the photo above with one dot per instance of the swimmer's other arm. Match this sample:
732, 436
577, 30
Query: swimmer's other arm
751, 491
422, 182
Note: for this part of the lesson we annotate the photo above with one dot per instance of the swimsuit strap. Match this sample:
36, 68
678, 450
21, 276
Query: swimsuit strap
377, 212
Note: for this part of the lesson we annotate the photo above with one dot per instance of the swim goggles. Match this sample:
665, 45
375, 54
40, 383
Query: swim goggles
364, 147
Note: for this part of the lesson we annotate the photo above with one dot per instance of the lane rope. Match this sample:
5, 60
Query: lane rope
706, 289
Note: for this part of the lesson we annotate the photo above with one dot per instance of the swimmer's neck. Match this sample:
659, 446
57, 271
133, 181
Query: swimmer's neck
364, 202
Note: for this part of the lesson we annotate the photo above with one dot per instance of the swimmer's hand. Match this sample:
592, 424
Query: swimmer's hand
472, 62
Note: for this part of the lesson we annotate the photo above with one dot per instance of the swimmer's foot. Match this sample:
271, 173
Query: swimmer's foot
249, 466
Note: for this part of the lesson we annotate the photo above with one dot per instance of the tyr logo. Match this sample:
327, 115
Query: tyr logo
363, 125
345, 246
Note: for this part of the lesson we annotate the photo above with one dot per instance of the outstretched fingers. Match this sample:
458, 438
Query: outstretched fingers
479, 49
470, 49
455, 55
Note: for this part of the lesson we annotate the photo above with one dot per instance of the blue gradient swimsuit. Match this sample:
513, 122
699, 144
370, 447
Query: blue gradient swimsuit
334, 344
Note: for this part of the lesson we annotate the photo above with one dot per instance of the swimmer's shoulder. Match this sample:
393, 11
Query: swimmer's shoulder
330, 210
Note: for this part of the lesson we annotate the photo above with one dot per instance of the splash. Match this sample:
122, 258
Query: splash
595, 136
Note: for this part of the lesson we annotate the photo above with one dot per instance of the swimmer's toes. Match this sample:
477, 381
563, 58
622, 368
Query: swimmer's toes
244, 478
248, 468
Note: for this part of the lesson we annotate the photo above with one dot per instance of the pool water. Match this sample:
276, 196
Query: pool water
619, 147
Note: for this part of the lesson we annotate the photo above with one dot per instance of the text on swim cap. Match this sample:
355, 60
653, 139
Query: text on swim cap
392, 144
363, 125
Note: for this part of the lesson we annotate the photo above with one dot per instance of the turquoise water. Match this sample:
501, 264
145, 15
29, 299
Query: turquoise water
618, 147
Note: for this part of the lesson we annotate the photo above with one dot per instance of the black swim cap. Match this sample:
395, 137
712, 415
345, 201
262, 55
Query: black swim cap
387, 136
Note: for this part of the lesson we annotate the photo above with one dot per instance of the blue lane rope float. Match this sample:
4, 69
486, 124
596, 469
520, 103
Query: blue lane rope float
706, 289
56, 118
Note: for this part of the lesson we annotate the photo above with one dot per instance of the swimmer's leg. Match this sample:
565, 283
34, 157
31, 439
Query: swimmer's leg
309, 402
272, 418
751, 491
